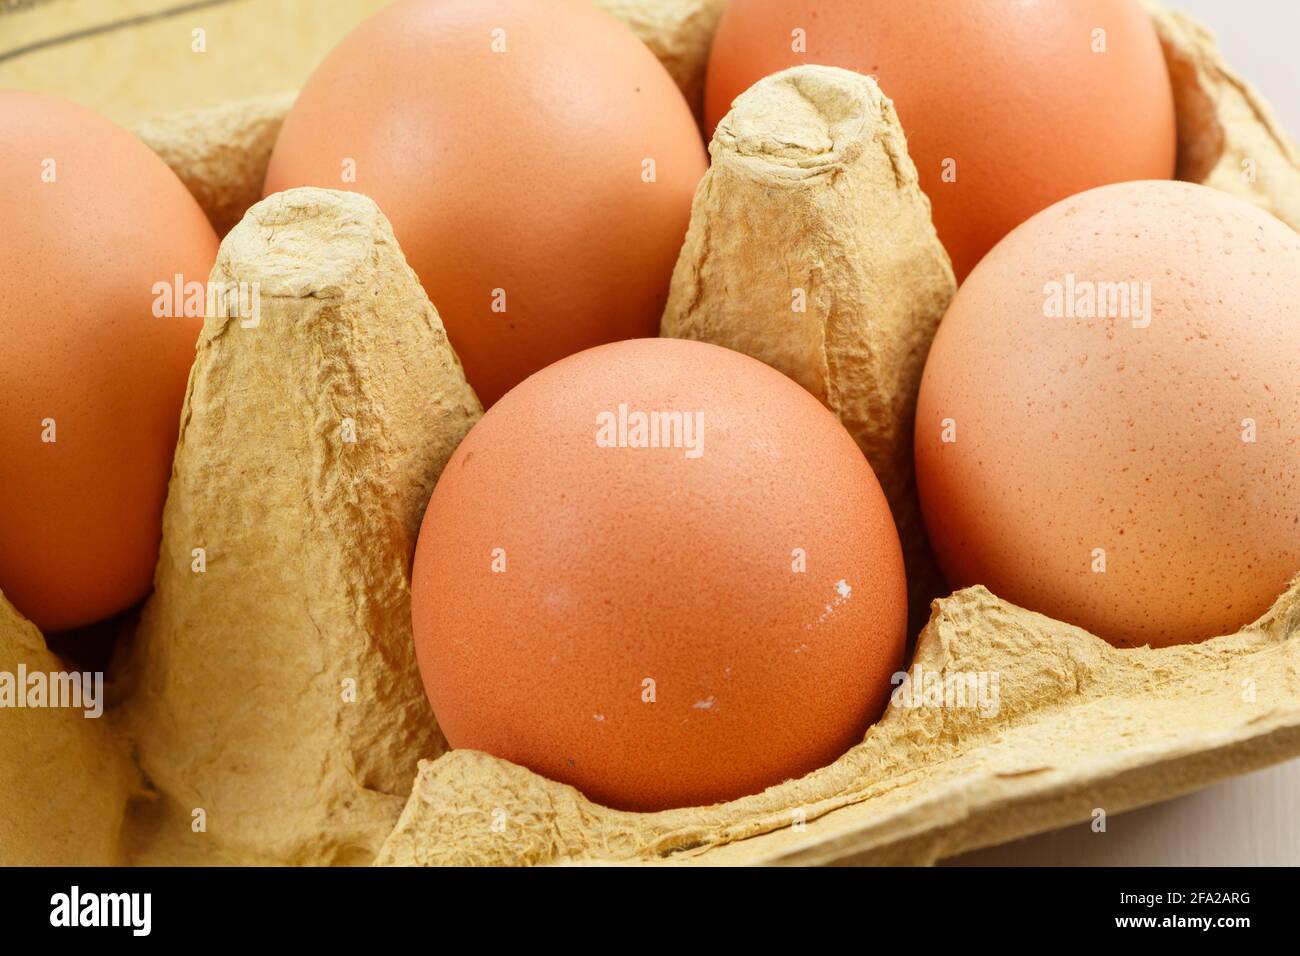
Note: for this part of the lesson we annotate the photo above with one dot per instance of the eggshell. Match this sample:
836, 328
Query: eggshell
1135, 474
508, 142
1012, 93
633, 620
92, 220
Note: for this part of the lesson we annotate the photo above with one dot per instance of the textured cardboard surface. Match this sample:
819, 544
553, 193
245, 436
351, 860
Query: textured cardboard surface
1080, 726
811, 248
132, 60
221, 153
277, 688
679, 33
1228, 136
64, 780
234, 698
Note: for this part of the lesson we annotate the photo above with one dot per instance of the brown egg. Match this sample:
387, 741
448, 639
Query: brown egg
1008, 105
1108, 428
659, 626
91, 378
535, 159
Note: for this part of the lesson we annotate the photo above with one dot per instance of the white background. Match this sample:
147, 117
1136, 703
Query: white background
1255, 819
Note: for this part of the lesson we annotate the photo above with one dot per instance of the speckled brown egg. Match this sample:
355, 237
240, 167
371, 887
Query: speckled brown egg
535, 159
660, 615
94, 358
1108, 428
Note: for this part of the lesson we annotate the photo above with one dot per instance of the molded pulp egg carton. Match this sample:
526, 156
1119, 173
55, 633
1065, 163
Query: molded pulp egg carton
225, 705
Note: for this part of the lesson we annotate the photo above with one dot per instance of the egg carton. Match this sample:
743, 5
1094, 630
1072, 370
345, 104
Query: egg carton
267, 708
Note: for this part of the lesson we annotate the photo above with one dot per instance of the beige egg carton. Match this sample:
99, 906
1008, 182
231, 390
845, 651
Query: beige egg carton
268, 709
